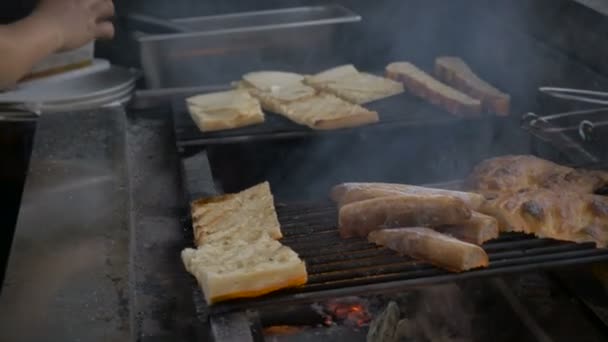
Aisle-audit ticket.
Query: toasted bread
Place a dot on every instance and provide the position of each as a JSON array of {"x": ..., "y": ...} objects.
[
  {"x": 224, "y": 110},
  {"x": 479, "y": 229},
  {"x": 361, "y": 218},
  {"x": 456, "y": 73},
  {"x": 433, "y": 247},
  {"x": 347, "y": 83},
  {"x": 425, "y": 86},
  {"x": 285, "y": 94},
  {"x": 242, "y": 216},
  {"x": 242, "y": 269},
  {"x": 346, "y": 193}
]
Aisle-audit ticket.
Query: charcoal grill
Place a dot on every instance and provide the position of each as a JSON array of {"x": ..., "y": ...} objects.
[{"x": 353, "y": 267}]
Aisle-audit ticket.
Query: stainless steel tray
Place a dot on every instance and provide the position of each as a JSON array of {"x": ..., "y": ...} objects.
[{"x": 219, "y": 49}]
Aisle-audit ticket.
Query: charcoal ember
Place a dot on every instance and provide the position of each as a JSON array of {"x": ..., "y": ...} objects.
[{"x": 383, "y": 327}]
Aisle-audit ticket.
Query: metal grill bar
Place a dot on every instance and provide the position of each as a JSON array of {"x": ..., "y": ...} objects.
[{"x": 344, "y": 267}]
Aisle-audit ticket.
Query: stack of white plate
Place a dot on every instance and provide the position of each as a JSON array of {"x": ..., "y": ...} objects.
[{"x": 98, "y": 85}]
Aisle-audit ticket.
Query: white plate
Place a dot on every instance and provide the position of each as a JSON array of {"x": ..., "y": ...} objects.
[
  {"x": 90, "y": 86},
  {"x": 117, "y": 98},
  {"x": 97, "y": 66}
]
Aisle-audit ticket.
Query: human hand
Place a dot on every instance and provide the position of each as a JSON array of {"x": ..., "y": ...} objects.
[{"x": 76, "y": 22}]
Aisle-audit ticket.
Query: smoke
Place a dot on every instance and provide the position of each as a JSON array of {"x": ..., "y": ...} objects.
[
  {"x": 499, "y": 40},
  {"x": 442, "y": 314}
]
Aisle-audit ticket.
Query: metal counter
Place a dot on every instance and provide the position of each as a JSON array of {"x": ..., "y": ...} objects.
[{"x": 73, "y": 272}]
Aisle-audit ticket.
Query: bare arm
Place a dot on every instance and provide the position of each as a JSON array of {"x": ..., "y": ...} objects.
[{"x": 56, "y": 25}]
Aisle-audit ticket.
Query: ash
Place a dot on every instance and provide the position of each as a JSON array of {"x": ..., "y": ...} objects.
[{"x": 468, "y": 311}]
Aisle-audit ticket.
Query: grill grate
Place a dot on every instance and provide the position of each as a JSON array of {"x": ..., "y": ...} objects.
[
  {"x": 344, "y": 267},
  {"x": 399, "y": 110}
]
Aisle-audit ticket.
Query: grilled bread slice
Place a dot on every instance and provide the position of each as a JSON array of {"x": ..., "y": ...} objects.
[
  {"x": 326, "y": 112},
  {"x": 425, "y": 86},
  {"x": 346, "y": 193},
  {"x": 243, "y": 216},
  {"x": 284, "y": 93},
  {"x": 224, "y": 110},
  {"x": 456, "y": 73},
  {"x": 361, "y": 218},
  {"x": 433, "y": 247},
  {"x": 347, "y": 83},
  {"x": 479, "y": 229},
  {"x": 241, "y": 268}
]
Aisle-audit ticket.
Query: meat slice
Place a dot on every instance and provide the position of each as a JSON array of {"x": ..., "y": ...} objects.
[
  {"x": 520, "y": 172},
  {"x": 360, "y": 218},
  {"x": 425, "y": 86},
  {"x": 456, "y": 73},
  {"x": 346, "y": 193},
  {"x": 479, "y": 229},
  {"x": 562, "y": 215},
  {"x": 428, "y": 245}
]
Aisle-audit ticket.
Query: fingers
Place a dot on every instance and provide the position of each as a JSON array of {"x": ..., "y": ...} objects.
[
  {"x": 103, "y": 9},
  {"x": 104, "y": 30}
]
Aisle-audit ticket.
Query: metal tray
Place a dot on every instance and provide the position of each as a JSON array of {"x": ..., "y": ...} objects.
[{"x": 222, "y": 48}]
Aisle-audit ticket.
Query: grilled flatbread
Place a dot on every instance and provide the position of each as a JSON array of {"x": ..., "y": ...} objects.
[
  {"x": 561, "y": 215},
  {"x": 514, "y": 173}
]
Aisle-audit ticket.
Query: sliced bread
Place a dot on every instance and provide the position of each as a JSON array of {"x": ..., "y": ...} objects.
[
  {"x": 224, "y": 110},
  {"x": 243, "y": 216},
  {"x": 241, "y": 269},
  {"x": 347, "y": 83}
]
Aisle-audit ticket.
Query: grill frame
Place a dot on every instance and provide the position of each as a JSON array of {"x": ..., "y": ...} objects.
[
  {"x": 401, "y": 110},
  {"x": 513, "y": 252}
]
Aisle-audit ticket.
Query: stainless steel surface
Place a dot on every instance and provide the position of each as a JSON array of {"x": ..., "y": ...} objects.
[
  {"x": 222, "y": 48},
  {"x": 74, "y": 274},
  {"x": 270, "y": 19},
  {"x": 162, "y": 307},
  {"x": 150, "y": 24},
  {"x": 15, "y": 115},
  {"x": 67, "y": 277},
  {"x": 149, "y": 98}
]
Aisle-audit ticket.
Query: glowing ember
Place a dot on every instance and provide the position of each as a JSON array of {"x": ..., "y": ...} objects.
[
  {"x": 350, "y": 312},
  {"x": 281, "y": 330}
]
